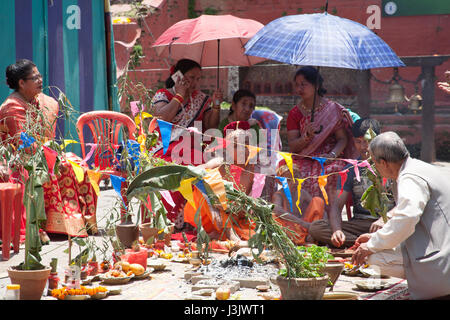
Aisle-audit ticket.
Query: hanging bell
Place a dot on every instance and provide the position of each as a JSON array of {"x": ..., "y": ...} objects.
[
  {"x": 396, "y": 93},
  {"x": 415, "y": 102}
]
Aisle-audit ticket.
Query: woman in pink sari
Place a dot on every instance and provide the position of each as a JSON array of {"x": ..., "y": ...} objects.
[
  {"x": 68, "y": 203},
  {"x": 305, "y": 138},
  {"x": 182, "y": 104}
]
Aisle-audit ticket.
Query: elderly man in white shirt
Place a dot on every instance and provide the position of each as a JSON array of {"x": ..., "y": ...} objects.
[{"x": 415, "y": 242}]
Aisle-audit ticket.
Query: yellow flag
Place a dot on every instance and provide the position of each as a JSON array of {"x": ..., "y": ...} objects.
[
  {"x": 79, "y": 173},
  {"x": 214, "y": 180},
  {"x": 253, "y": 151},
  {"x": 66, "y": 142},
  {"x": 322, "y": 180},
  {"x": 288, "y": 158},
  {"x": 299, "y": 192},
  {"x": 142, "y": 116},
  {"x": 186, "y": 190},
  {"x": 94, "y": 178}
]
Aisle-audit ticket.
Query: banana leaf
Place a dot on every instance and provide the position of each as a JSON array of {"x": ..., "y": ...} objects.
[
  {"x": 161, "y": 178},
  {"x": 34, "y": 206}
]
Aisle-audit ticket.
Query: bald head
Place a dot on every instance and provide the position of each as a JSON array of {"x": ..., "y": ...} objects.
[{"x": 389, "y": 147}]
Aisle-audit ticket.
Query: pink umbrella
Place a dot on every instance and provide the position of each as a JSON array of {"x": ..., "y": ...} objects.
[{"x": 211, "y": 40}]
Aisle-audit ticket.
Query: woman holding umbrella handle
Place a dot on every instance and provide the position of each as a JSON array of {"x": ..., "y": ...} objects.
[{"x": 305, "y": 141}]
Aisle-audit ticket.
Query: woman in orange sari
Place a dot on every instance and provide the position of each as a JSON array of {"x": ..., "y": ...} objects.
[{"x": 68, "y": 204}]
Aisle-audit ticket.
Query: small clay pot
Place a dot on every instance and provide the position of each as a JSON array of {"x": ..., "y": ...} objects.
[{"x": 127, "y": 234}]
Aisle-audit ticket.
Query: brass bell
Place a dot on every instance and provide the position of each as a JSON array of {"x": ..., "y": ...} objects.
[
  {"x": 415, "y": 102},
  {"x": 396, "y": 93}
]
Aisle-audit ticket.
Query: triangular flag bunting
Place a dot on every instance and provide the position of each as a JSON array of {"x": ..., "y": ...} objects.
[
  {"x": 343, "y": 175},
  {"x": 66, "y": 142},
  {"x": 236, "y": 172},
  {"x": 287, "y": 192},
  {"x": 185, "y": 189},
  {"x": 355, "y": 167},
  {"x": 322, "y": 180},
  {"x": 152, "y": 125},
  {"x": 91, "y": 151},
  {"x": 116, "y": 182},
  {"x": 215, "y": 182},
  {"x": 366, "y": 164},
  {"x": 166, "y": 132},
  {"x": 94, "y": 178},
  {"x": 321, "y": 161},
  {"x": 221, "y": 144},
  {"x": 141, "y": 117},
  {"x": 134, "y": 108},
  {"x": 288, "y": 158},
  {"x": 50, "y": 156},
  {"x": 167, "y": 196},
  {"x": 299, "y": 193},
  {"x": 259, "y": 180},
  {"x": 79, "y": 172},
  {"x": 253, "y": 151}
]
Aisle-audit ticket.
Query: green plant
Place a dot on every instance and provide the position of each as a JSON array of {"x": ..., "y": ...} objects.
[
  {"x": 29, "y": 156},
  {"x": 375, "y": 198}
]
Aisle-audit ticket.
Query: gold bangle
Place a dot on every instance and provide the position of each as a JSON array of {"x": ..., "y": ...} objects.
[
  {"x": 174, "y": 98},
  {"x": 180, "y": 97}
]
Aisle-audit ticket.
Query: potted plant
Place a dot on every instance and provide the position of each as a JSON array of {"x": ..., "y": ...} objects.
[{"x": 30, "y": 274}]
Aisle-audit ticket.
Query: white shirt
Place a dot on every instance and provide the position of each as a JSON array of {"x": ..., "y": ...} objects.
[{"x": 412, "y": 196}]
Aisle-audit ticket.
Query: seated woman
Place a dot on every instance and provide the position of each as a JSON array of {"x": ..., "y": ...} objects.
[
  {"x": 329, "y": 136},
  {"x": 68, "y": 204},
  {"x": 182, "y": 104},
  {"x": 241, "y": 109}
]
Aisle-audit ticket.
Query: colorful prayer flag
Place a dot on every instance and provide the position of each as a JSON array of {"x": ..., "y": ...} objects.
[
  {"x": 322, "y": 180},
  {"x": 50, "y": 157},
  {"x": 259, "y": 180},
  {"x": 94, "y": 178},
  {"x": 287, "y": 192},
  {"x": 214, "y": 179},
  {"x": 253, "y": 151},
  {"x": 166, "y": 132},
  {"x": 185, "y": 189},
  {"x": 321, "y": 161},
  {"x": 299, "y": 193},
  {"x": 288, "y": 158},
  {"x": 79, "y": 172}
]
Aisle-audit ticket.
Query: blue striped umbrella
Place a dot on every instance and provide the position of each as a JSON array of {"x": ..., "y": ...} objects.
[{"x": 323, "y": 40}]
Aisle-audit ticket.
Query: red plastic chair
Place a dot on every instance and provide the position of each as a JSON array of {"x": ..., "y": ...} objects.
[
  {"x": 105, "y": 127},
  {"x": 10, "y": 214}
]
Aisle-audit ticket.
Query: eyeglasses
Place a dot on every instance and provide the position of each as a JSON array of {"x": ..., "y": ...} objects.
[{"x": 35, "y": 78}]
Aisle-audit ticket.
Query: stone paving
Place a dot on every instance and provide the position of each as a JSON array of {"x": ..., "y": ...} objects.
[{"x": 171, "y": 283}]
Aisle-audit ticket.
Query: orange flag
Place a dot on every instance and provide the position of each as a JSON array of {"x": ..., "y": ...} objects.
[
  {"x": 253, "y": 151},
  {"x": 94, "y": 178},
  {"x": 214, "y": 180},
  {"x": 322, "y": 180}
]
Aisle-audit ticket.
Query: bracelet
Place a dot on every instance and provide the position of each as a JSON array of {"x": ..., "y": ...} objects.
[
  {"x": 333, "y": 154},
  {"x": 214, "y": 107},
  {"x": 176, "y": 99},
  {"x": 180, "y": 97}
]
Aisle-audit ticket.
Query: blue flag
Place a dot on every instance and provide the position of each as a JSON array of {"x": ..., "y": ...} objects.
[
  {"x": 321, "y": 161},
  {"x": 166, "y": 132},
  {"x": 116, "y": 182},
  {"x": 287, "y": 192}
]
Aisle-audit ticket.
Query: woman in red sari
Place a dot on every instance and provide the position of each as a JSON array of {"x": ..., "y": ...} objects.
[
  {"x": 182, "y": 104},
  {"x": 305, "y": 138},
  {"x": 68, "y": 204}
]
